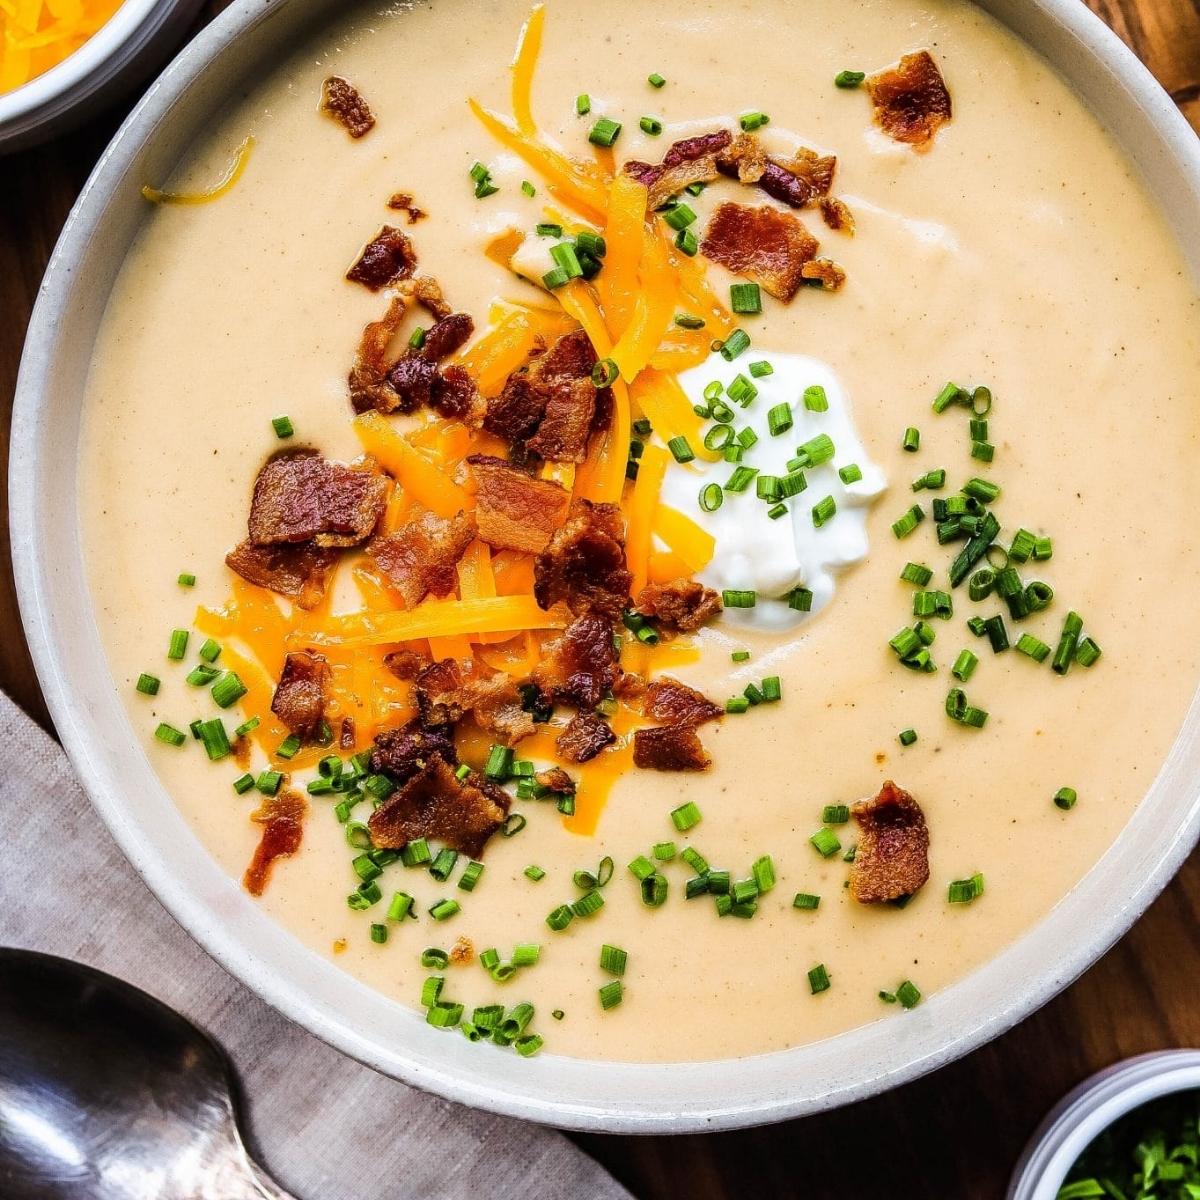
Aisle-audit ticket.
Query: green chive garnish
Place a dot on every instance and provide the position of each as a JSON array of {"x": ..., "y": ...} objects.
[
  {"x": 148, "y": 685},
  {"x": 611, "y": 994},
  {"x": 753, "y": 120},
  {"x": 604, "y": 132},
  {"x": 849, "y": 79},
  {"x": 186, "y": 580},
  {"x": 745, "y": 298},
  {"x": 906, "y": 737},
  {"x": 825, "y": 842},
  {"x": 613, "y": 959},
  {"x": 685, "y": 816},
  {"x": 169, "y": 735},
  {"x": 655, "y": 80},
  {"x": 177, "y": 647},
  {"x": 283, "y": 427},
  {"x": 806, "y": 901},
  {"x": 650, "y": 125},
  {"x": 1065, "y": 798},
  {"x": 818, "y": 979}
]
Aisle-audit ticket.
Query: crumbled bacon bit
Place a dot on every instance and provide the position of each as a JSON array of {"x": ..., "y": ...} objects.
[
  {"x": 892, "y": 860},
  {"x": 282, "y": 819},
  {"x": 419, "y": 557},
  {"x": 743, "y": 159},
  {"x": 763, "y": 244},
  {"x": 551, "y": 401},
  {"x": 669, "y": 748},
  {"x": 584, "y": 562},
  {"x": 402, "y": 752},
  {"x": 300, "y": 572},
  {"x": 299, "y": 700},
  {"x": 495, "y": 705},
  {"x": 579, "y": 667},
  {"x": 463, "y": 951},
  {"x": 692, "y": 160},
  {"x": 825, "y": 272},
  {"x": 347, "y": 737},
  {"x": 556, "y": 780},
  {"x": 837, "y": 215},
  {"x": 435, "y": 804},
  {"x": 300, "y": 496},
  {"x": 403, "y": 202},
  {"x": 673, "y": 703},
  {"x": 405, "y": 664},
  {"x": 455, "y": 395},
  {"x": 389, "y": 256},
  {"x": 437, "y": 692},
  {"x": 343, "y": 101},
  {"x": 446, "y": 336},
  {"x": 911, "y": 101},
  {"x": 412, "y": 381},
  {"x": 516, "y": 511},
  {"x": 681, "y": 604},
  {"x": 583, "y": 737},
  {"x": 797, "y": 181}
]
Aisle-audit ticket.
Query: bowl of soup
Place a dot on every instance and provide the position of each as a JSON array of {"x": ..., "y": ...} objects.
[{"x": 591, "y": 568}]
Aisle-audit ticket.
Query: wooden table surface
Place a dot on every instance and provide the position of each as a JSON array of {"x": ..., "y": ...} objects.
[{"x": 951, "y": 1136}]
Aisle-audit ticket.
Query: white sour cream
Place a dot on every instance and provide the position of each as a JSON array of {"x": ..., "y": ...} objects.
[{"x": 754, "y": 552}]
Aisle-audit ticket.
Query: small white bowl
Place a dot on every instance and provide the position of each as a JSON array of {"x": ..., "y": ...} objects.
[
  {"x": 133, "y": 41},
  {"x": 1098, "y": 1102}
]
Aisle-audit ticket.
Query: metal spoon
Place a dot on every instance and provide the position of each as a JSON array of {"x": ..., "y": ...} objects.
[{"x": 107, "y": 1094}]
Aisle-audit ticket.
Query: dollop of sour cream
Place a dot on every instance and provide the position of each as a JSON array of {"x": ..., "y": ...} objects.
[{"x": 754, "y": 552}]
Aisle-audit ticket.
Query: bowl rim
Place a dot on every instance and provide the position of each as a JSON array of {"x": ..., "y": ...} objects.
[
  {"x": 94, "y": 58},
  {"x": 590, "y": 1095}
]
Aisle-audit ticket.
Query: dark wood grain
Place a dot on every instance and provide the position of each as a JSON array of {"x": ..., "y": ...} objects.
[{"x": 951, "y": 1136}]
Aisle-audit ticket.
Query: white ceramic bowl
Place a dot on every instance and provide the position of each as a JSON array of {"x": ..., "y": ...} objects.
[
  {"x": 1083, "y": 1114},
  {"x": 134, "y": 40},
  {"x": 61, "y": 629}
]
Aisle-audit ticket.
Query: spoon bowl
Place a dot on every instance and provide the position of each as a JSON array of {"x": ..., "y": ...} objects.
[{"x": 108, "y": 1094}]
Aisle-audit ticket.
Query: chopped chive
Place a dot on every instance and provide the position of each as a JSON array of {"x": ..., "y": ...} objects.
[
  {"x": 1067, "y": 643},
  {"x": 849, "y": 79},
  {"x": 148, "y": 685},
  {"x": 916, "y": 573},
  {"x": 243, "y": 783},
  {"x": 906, "y": 737},
  {"x": 583, "y": 104},
  {"x": 416, "y": 339},
  {"x": 379, "y": 934},
  {"x": 444, "y": 909},
  {"x": 737, "y": 704},
  {"x": 776, "y": 511},
  {"x": 650, "y": 125},
  {"x": 655, "y": 80},
  {"x": 665, "y": 851},
  {"x": 963, "y": 891},
  {"x": 1034, "y": 647},
  {"x": 806, "y": 901},
  {"x": 779, "y": 419},
  {"x": 908, "y": 994},
  {"x": 169, "y": 735},
  {"x": 824, "y": 511},
  {"x": 1065, "y": 798},
  {"x": 738, "y": 342},
  {"x": 528, "y": 189},
  {"x": 772, "y": 689},
  {"x": 177, "y": 647},
  {"x": 604, "y": 132},
  {"x": 964, "y": 665},
  {"x": 741, "y": 479},
  {"x": 744, "y": 298},
  {"x": 816, "y": 450},
  {"x": 1087, "y": 652},
  {"x": 680, "y": 450},
  {"x": 950, "y": 394},
  {"x": 733, "y": 598},
  {"x": 201, "y": 675},
  {"x": 761, "y": 369},
  {"x": 214, "y": 739},
  {"x": 289, "y": 747},
  {"x": 401, "y": 906},
  {"x": 907, "y": 523},
  {"x": 835, "y": 814},
  {"x": 566, "y": 259},
  {"x": 283, "y": 427},
  {"x": 548, "y": 229},
  {"x": 228, "y": 690},
  {"x": 800, "y": 599},
  {"x": 654, "y": 890},
  {"x": 186, "y": 580},
  {"x": 269, "y": 782},
  {"x": 560, "y": 918},
  {"x": 912, "y": 439},
  {"x": 534, "y": 873},
  {"x": 815, "y": 398},
  {"x": 983, "y": 451},
  {"x": 851, "y": 473},
  {"x": 499, "y": 763},
  {"x": 605, "y": 373},
  {"x": 753, "y": 120},
  {"x": 687, "y": 321},
  {"x": 686, "y": 816},
  {"x": 611, "y": 994},
  {"x": 613, "y": 959},
  {"x": 687, "y": 243},
  {"x": 825, "y": 842},
  {"x": 555, "y": 279},
  {"x": 472, "y": 872},
  {"x": 818, "y": 979},
  {"x": 482, "y": 178}
]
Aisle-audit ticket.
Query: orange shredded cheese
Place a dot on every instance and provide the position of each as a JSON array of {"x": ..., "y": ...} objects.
[
  {"x": 36, "y": 35},
  {"x": 424, "y": 479},
  {"x": 241, "y": 156}
]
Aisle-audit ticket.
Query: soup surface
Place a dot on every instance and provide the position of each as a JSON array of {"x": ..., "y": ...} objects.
[{"x": 1017, "y": 250}]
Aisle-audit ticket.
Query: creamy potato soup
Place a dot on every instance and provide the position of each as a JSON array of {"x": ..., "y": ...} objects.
[{"x": 708, "y": 522}]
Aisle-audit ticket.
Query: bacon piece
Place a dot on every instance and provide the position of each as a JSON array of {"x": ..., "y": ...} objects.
[
  {"x": 583, "y": 737},
  {"x": 554, "y": 396},
  {"x": 402, "y": 752},
  {"x": 419, "y": 558},
  {"x": 437, "y": 692},
  {"x": 282, "y": 819},
  {"x": 580, "y": 667},
  {"x": 463, "y": 951},
  {"x": 669, "y": 748},
  {"x": 516, "y": 511},
  {"x": 389, "y": 256},
  {"x": 763, "y": 244},
  {"x": 435, "y": 804},
  {"x": 343, "y": 101},
  {"x": 405, "y": 664},
  {"x": 495, "y": 704},
  {"x": 299, "y": 572},
  {"x": 892, "y": 860},
  {"x": 403, "y": 202},
  {"x": 347, "y": 737},
  {"x": 673, "y": 703},
  {"x": 456, "y": 396},
  {"x": 743, "y": 159},
  {"x": 692, "y": 160},
  {"x": 911, "y": 101},
  {"x": 681, "y": 604},
  {"x": 299, "y": 700},
  {"x": 300, "y": 496},
  {"x": 837, "y": 215},
  {"x": 825, "y": 272},
  {"x": 556, "y": 780},
  {"x": 797, "y": 181},
  {"x": 449, "y": 334},
  {"x": 584, "y": 562}
]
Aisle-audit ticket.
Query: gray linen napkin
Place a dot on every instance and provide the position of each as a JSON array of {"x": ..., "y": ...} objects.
[{"x": 327, "y": 1127}]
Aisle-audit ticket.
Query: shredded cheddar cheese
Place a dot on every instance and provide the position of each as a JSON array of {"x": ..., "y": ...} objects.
[
  {"x": 241, "y": 157},
  {"x": 36, "y": 35}
]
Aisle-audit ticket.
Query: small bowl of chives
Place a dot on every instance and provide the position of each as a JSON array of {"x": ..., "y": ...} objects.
[{"x": 1139, "y": 1115}]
